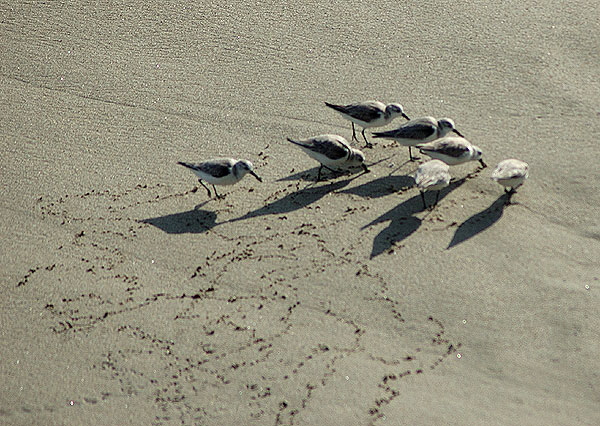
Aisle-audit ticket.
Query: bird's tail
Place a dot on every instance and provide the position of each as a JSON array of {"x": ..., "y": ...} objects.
[
  {"x": 380, "y": 134},
  {"x": 335, "y": 107},
  {"x": 294, "y": 142},
  {"x": 188, "y": 165}
]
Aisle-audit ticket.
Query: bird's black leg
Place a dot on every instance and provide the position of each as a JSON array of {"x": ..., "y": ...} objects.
[
  {"x": 423, "y": 197},
  {"x": 510, "y": 193},
  {"x": 220, "y": 197},
  {"x": 368, "y": 144},
  {"x": 328, "y": 168},
  {"x": 437, "y": 197},
  {"x": 205, "y": 187},
  {"x": 354, "y": 138},
  {"x": 411, "y": 156}
]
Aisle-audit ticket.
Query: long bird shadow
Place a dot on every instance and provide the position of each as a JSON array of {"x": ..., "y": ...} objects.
[
  {"x": 295, "y": 200},
  {"x": 381, "y": 187},
  {"x": 305, "y": 175},
  {"x": 481, "y": 221},
  {"x": 310, "y": 175},
  {"x": 403, "y": 222},
  {"x": 194, "y": 221}
]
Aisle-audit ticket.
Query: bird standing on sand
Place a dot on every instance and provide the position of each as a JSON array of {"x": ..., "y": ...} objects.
[
  {"x": 452, "y": 150},
  {"x": 223, "y": 171},
  {"x": 418, "y": 131},
  {"x": 511, "y": 174},
  {"x": 368, "y": 114},
  {"x": 432, "y": 176},
  {"x": 331, "y": 151}
]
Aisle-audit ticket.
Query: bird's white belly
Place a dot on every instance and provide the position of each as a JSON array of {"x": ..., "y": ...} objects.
[
  {"x": 229, "y": 179},
  {"x": 324, "y": 159},
  {"x": 511, "y": 182},
  {"x": 451, "y": 161}
]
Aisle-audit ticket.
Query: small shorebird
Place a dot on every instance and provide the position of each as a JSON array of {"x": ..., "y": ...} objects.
[
  {"x": 511, "y": 174},
  {"x": 368, "y": 114},
  {"x": 418, "y": 131},
  {"x": 432, "y": 176},
  {"x": 331, "y": 151},
  {"x": 223, "y": 171},
  {"x": 452, "y": 150}
]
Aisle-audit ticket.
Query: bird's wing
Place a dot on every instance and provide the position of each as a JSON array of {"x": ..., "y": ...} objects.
[
  {"x": 509, "y": 172},
  {"x": 347, "y": 147},
  {"x": 364, "y": 112},
  {"x": 332, "y": 148},
  {"x": 446, "y": 148},
  {"x": 425, "y": 181},
  {"x": 216, "y": 168},
  {"x": 409, "y": 131}
]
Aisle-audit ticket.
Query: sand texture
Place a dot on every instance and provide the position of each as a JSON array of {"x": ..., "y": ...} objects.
[{"x": 129, "y": 297}]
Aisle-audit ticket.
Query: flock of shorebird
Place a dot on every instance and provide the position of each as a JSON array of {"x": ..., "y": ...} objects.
[{"x": 333, "y": 152}]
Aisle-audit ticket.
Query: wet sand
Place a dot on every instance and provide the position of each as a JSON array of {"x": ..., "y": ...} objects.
[{"x": 129, "y": 297}]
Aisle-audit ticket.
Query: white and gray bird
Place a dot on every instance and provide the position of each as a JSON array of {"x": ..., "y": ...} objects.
[
  {"x": 452, "y": 150},
  {"x": 221, "y": 171},
  {"x": 511, "y": 174},
  {"x": 419, "y": 131},
  {"x": 432, "y": 176},
  {"x": 368, "y": 114},
  {"x": 331, "y": 151}
]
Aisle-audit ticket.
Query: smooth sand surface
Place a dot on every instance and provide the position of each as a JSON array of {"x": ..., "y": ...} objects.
[{"x": 128, "y": 297}]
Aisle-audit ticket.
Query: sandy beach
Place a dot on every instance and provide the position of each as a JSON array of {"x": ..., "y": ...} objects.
[{"x": 130, "y": 297}]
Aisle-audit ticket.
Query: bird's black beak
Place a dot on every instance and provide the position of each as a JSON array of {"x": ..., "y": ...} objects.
[
  {"x": 458, "y": 133},
  {"x": 258, "y": 178},
  {"x": 405, "y": 116},
  {"x": 483, "y": 165}
]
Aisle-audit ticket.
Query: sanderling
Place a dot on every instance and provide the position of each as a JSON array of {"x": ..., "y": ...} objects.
[
  {"x": 511, "y": 174},
  {"x": 331, "y": 151},
  {"x": 368, "y": 114},
  {"x": 452, "y": 150},
  {"x": 432, "y": 176},
  {"x": 223, "y": 171},
  {"x": 418, "y": 131}
]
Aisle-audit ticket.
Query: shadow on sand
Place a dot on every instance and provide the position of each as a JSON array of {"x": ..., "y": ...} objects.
[
  {"x": 194, "y": 221},
  {"x": 481, "y": 221},
  {"x": 382, "y": 186},
  {"x": 295, "y": 200},
  {"x": 403, "y": 223},
  {"x": 310, "y": 175}
]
